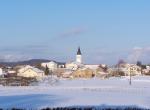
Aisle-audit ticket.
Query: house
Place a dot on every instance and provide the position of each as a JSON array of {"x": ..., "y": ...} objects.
[
  {"x": 71, "y": 66},
  {"x": 128, "y": 69},
  {"x": 146, "y": 70},
  {"x": 61, "y": 65},
  {"x": 102, "y": 71},
  {"x": 31, "y": 72},
  {"x": 83, "y": 73},
  {"x": 51, "y": 65},
  {"x": 10, "y": 72},
  {"x": 1, "y": 72},
  {"x": 23, "y": 68}
]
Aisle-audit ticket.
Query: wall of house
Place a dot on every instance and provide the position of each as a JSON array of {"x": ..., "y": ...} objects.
[
  {"x": 71, "y": 66},
  {"x": 51, "y": 65},
  {"x": 87, "y": 73},
  {"x": 1, "y": 72},
  {"x": 30, "y": 73},
  {"x": 133, "y": 69}
]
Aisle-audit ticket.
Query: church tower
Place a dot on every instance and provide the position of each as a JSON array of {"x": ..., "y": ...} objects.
[{"x": 79, "y": 56}]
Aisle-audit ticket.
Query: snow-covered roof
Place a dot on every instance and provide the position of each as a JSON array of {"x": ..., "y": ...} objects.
[
  {"x": 22, "y": 70},
  {"x": 75, "y": 63},
  {"x": 92, "y": 66},
  {"x": 37, "y": 70}
]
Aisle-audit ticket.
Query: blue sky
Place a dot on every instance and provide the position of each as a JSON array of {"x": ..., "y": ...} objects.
[{"x": 106, "y": 30}]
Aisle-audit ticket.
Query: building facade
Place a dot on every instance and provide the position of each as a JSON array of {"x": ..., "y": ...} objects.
[
  {"x": 51, "y": 65},
  {"x": 1, "y": 72},
  {"x": 32, "y": 73}
]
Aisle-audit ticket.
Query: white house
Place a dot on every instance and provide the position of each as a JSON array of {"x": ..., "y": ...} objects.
[
  {"x": 11, "y": 71},
  {"x": 51, "y": 65},
  {"x": 1, "y": 71},
  {"x": 24, "y": 68},
  {"x": 130, "y": 68},
  {"x": 31, "y": 72},
  {"x": 72, "y": 66},
  {"x": 146, "y": 70}
]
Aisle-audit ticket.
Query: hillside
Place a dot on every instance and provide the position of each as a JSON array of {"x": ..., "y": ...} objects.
[{"x": 28, "y": 62}]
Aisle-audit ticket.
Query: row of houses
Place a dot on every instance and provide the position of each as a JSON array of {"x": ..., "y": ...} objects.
[
  {"x": 68, "y": 68},
  {"x": 22, "y": 71},
  {"x": 74, "y": 65},
  {"x": 74, "y": 69}
]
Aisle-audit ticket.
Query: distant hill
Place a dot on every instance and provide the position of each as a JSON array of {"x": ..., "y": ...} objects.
[{"x": 28, "y": 62}]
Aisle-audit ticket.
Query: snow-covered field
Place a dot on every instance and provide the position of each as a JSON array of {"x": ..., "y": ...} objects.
[{"x": 79, "y": 92}]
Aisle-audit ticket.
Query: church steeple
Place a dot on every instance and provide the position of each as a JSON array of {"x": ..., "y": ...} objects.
[
  {"x": 79, "y": 56},
  {"x": 79, "y": 51}
]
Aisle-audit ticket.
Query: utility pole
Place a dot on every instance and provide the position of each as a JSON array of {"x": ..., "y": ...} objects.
[{"x": 130, "y": 75}]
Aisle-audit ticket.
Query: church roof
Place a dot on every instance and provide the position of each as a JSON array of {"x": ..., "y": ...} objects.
[{"x": 79, "y": 51}]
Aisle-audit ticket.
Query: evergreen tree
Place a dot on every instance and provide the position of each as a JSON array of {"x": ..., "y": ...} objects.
[
  {"x": 46, "y": 70},
  {"x": 139, "y": 63}
]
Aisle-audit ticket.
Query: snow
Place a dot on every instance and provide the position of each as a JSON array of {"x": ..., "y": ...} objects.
[{"x": 79, "y": 92}]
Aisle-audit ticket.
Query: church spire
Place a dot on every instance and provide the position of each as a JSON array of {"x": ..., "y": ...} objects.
[
  {"x": 79, "y": 51},
  {"x": 79, "y": 56}
]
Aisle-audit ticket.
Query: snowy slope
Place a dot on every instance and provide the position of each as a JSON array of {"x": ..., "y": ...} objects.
[{"x": 78, "y": 92}]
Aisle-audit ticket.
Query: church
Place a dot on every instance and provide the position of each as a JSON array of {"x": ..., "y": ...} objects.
[{"x": 75, "y": 64}]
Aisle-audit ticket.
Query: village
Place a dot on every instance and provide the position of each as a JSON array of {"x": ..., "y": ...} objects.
[
  {"x": 24, "y": 75},
  {"x": 74, "y": 55}
]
